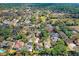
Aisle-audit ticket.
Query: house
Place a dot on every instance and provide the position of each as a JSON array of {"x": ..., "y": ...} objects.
[
  {"x": 6, "y": 14},
  {"x": 19, "y": 44},
  {"x": 37, "y": 40},
  {"x": 73, "y": 43},
  {"x": 5, "y": 10},
  {"x": 12, "y": 44},
  {"x": 14, "y": 31},
  {"x": 6, "y": 22},
  {"x": 50, "y": 28},
  {"x": 47, "y": 45},
  {"x": 24, "y": 30},
  {"x": 54, "y": 37},
  {"x": 27, "y": 22},
  {"x": 38, "y": 34},
  {"x": 4, "y": 44},
  {"x": 74, "y": 32},
  {"x": 11, "y": 51},
  {"x": 71, "y": 46},
  {"x": 76, "y": 28},
  {"x": 29, "y": 46},
  {"x": 14, "y": 22},
  {"x": 39, "y": 46}
]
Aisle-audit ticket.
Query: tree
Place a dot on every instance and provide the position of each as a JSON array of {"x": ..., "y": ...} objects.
[
  {"x": 73, "y": 53},
  {"x": 59, "y": 48},
  {"x": 45, "y": 52},
  {"x": 24, "y": 51},
  {"x": 44, "y": 32},
  {"x": 5, "y": 32},
  {"x": 21, "y": 36},
  {"x": 42, "y": 18},
  {"x": 32, "y": 19},
  {"x": 18, "y": 37}
]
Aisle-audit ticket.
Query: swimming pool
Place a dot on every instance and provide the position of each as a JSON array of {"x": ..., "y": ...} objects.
[{"x": 2, "y": 51}]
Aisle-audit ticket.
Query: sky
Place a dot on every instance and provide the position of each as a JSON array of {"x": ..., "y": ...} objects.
[{"x": 39, "y": 1}]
